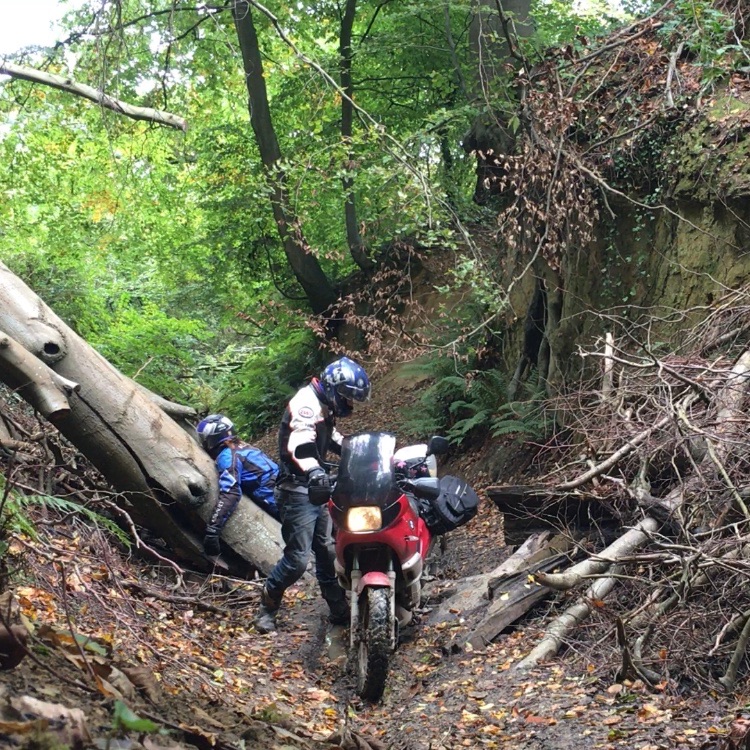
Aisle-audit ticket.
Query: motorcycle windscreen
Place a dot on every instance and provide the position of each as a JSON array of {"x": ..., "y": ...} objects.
[{"x": 365, "y": 471}]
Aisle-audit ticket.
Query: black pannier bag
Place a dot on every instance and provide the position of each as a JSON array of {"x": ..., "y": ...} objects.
[{"x": 456, "y": 505}]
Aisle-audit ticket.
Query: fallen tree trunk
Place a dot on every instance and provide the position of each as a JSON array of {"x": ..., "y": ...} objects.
[
  {"x": 42, "y": 387},
  {"x": 165, "y": 481},
  {"x": 561, "y": 626}
]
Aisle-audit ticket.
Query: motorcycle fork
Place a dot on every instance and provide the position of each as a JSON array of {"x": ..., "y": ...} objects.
[{"x": 356, "y": 577}]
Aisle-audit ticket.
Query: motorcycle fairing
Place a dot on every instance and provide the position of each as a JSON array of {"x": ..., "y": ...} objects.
[{"x": 406, "y": 537}]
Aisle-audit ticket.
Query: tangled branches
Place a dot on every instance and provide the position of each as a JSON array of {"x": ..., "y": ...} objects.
[
  {"x": 666, "y": 452},
  {"x": 553, "y": 207},
  {"x": 397, "y": 314},
  {"x": 597, "y": 123}
]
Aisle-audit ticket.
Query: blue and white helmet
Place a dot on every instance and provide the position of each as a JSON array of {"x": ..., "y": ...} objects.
[
  {"x": 344, "y": 381},
  {"x": 214, "y": 430}
]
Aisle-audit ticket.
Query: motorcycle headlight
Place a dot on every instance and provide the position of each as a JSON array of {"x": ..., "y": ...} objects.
[{"x": 366, "y": 518}]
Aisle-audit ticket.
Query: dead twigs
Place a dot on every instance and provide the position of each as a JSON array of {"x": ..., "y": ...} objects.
[{"x": 679, "y": 431}]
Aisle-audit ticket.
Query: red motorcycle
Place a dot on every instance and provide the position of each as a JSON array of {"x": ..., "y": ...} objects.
[{"x": 382, "y": 542}]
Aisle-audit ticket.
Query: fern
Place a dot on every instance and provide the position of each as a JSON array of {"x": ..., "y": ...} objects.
[
  {"x": 459, "y": 406},
  {"x": 510, "y": 427},
  {"x": 430, "y": 414},
  {"x": 523, "y": 418},
  {"x": 15, "y": 519},
  {"x": 464, "y": 426},
  {"x": 63, "y": 505},
  {"x": 456, "y": 405}
]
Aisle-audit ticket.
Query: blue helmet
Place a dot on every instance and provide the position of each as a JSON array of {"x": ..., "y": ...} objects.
[
  {"x": 214, "y": 430},
  {"x": 344, "y": 381}
]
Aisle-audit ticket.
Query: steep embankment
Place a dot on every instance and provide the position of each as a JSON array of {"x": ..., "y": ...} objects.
[{"x": 627, "y": 192}]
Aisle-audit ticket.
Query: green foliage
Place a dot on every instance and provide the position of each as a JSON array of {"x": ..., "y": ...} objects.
[
  {"x": 12, "y": 517},
  {"x": 254, "y": 395},
  {"x": 15, "y": 519},
  {"x": 708, "y": 33},
  {"x": 561, "y": 22},
  {"x": 124, "y": 719},
  {"x": 481, "y": 393},
  {"x": 462, "y": 405},
  {"x": 430, "y": 413},
  {"x": 63, "y": 505},
  {"x": 524, "y": 419},
  {"x": 149, "y": 345},
  {"x": 156, "y": 246}
]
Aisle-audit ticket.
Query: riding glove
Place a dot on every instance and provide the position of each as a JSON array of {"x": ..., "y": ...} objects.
[
  {"x": 211, "y": 544},
  {"x": 318, "y": 486}
]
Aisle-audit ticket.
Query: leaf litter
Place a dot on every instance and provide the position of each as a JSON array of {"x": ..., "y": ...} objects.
[{"x": 116, "y": 660}]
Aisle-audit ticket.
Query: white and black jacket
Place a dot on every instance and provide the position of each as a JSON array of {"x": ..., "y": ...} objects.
[{"x": 307, "y": 420}]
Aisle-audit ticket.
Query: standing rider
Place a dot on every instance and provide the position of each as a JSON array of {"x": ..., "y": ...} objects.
[
  {"x": 308, "y": 431},
  {"x": 242, "y": 468}
]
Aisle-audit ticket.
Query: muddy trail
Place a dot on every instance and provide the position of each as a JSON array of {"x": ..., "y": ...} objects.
[{"x": 154, "y": 658}]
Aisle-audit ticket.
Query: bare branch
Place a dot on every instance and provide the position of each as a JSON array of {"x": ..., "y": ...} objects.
[{"x": 67, "y": 84}]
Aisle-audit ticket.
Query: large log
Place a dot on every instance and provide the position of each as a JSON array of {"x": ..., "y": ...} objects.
[
  {"x": 475, "y": 591},
  {"x": 165, "y": 481},
  {"x": 41, "y": 386}
]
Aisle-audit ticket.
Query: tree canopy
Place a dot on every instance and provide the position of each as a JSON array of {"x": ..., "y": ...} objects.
[{"x": 192, "y": 259}]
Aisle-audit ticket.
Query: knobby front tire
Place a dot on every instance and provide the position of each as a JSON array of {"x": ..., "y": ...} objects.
[{"x": 375, "y": 631}]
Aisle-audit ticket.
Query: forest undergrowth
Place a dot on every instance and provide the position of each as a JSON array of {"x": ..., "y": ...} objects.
[{"x": 154, "y": 656}]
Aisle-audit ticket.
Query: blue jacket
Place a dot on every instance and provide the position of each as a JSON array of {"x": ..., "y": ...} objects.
[{"x": 253, "y": 474}]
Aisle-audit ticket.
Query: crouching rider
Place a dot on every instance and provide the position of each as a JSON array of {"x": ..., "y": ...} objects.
[
  {"x": 243, "y": 469},
  {"x": 308, "y": 431}
]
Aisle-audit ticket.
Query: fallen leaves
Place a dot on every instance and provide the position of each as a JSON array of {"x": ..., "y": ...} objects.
[
  {"x": 198, "y": 665},
  {"x": 25, "y": 715}
]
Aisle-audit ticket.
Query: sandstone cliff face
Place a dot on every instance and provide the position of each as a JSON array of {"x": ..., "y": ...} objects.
[
  {"x": 668, "y": 255},
  {"x": 704, "y": 245}
]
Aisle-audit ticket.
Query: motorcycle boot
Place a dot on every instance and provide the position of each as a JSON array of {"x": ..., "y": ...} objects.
[
  {"x": 337, "y": 604},
  {"x": 265, "y": 619}
]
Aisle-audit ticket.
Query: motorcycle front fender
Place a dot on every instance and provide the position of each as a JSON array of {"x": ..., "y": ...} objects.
[{"x": 376, "y": 579}]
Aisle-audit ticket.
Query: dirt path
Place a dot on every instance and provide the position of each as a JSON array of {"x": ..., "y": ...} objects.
[
  {"x": 440, "y": 696},
  {"x": 218, "y": 679}
]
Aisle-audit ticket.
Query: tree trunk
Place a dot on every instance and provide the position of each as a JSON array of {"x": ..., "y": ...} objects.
[
  {"x": 167, "y": 482},
  {"x": 353, "y": 237},
  {"x": 303, "y": 262},
  {"x": 496, "y": 26},
  {"x": 493, "y": 39}
]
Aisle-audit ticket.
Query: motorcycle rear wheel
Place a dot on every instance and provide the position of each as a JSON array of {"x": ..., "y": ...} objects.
[{"x": 375, "y": 631}]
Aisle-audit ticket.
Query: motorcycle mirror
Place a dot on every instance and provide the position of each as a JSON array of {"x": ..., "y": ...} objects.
[
  {"x": 426, "y": 487},
  {"x": 438, "y": 446}
]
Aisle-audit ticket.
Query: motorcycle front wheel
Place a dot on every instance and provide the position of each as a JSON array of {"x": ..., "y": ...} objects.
[{"x": 375, "y": 631}]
